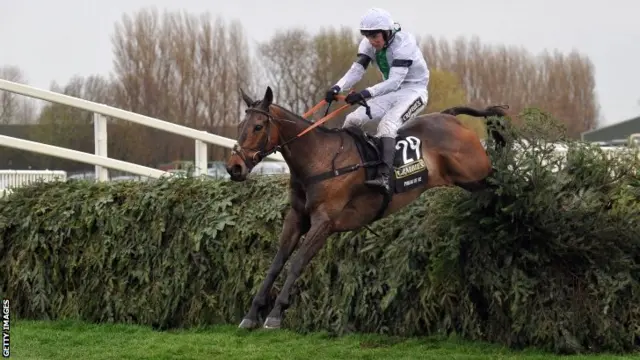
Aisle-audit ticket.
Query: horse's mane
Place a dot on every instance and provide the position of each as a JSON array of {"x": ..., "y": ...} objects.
[{"x": 298, "y": 117}]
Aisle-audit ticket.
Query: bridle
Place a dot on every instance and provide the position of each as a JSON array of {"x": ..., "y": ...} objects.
[{"x": 262, "y": 151}]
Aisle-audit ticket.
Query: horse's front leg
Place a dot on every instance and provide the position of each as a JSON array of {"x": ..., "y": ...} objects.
[
  {"x": 315, "y": 239},
  {"x": 295, "y": 225}
]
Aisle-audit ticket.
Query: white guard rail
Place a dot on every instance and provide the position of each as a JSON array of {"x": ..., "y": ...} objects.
[
  {"x": 17, "y": 178},
  {"x": 80, "y": 156},
  {"x": 10, "y": 179},
  {"x": 100, "y": 159}
]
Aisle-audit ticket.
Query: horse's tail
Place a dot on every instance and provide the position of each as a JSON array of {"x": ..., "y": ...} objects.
[{"x": 496, "y": 110}]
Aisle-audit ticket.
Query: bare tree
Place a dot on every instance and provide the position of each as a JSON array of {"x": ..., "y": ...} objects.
[
  {"x": 14, "y": 108},
  {"x": 300, "y": 67},
  {"x": 289, "y": 58},
  {"x": 70, "y": 127},
  {"x": 225, "y": 66},
  {"x": 182, "y": 68},
  {"x": 562, "y": 84},
  {"x": 242, "y": 75}
]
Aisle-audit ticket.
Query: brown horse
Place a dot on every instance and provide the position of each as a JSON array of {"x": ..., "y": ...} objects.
[{"x": 328, "y": 168}]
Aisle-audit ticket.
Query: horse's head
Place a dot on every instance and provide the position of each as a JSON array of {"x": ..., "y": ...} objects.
[{"x": 258, "y": 136}]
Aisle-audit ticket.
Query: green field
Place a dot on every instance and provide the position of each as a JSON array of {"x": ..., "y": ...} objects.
[{"x": 74, "y": 340}]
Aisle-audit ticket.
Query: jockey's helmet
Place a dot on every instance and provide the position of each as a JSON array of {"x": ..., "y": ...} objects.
[{"x": 377, "y": 20}]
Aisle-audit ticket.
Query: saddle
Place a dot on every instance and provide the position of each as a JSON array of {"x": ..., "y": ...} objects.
[
  {"x": 369, "y": 148},
  {"x": 409, "y": 168}
]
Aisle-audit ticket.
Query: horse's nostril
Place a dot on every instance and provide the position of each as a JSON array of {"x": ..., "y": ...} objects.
[{"x": 234, "y": 170}]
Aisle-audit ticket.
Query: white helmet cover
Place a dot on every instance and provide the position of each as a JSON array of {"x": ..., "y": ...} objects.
[{"x": 376, "y": 19}]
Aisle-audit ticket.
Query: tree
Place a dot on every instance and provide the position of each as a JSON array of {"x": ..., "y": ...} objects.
[
  {"x": 14, "y": 108},
  {"x": 181, "y": 68},
  {"x": 69, "y": 127},
  {"x": 563, "y": 85},
  {"x": 290, "y": 59}
]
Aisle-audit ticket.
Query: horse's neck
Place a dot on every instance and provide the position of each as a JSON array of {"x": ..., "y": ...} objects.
[{"x": 305, "y": 152}]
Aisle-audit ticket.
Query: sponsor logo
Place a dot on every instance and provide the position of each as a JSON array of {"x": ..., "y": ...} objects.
[
  {"x": 410, "y": 169},
  {"x": 412, "y": 109}
]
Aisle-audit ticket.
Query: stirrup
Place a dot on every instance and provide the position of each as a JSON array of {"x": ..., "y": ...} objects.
[{"x": 380, "y": 182}]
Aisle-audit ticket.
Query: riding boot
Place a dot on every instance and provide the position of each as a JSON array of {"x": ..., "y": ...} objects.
[{"x": 384, "y": 170}]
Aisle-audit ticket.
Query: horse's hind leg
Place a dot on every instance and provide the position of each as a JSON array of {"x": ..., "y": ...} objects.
[
  {"x": 470, "y": 172},
  {"x": 316, "y": 238},
  {"x": 295, "y": 225}
]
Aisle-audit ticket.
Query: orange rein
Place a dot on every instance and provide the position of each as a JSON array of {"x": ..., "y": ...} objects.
[{"x": 329, "y": 116}]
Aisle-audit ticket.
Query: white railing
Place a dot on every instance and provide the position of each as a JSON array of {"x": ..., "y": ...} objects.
[
  {"x": 97, "y": 160},
  {"x": 100, "y": 159},
  {"x": 16, "y": 178}
]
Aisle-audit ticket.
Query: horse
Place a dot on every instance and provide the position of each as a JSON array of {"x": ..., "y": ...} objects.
[{"x": 328, "y": 168}]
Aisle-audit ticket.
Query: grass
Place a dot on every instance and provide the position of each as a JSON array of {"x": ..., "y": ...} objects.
[{"x": 76, "y": 340}]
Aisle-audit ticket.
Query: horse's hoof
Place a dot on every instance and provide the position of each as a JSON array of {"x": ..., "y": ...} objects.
[
  {"x": 248, "y": 324},
  {"x": 272, "y": 323}
]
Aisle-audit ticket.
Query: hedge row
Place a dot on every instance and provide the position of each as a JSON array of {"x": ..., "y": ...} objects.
[{"x": 547, "y": 259}]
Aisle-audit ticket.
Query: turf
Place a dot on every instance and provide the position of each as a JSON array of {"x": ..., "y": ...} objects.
[{"x": 76, "y": 340}]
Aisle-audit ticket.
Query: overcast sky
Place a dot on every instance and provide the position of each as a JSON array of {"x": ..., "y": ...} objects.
[{"x": 55, "y": 39}]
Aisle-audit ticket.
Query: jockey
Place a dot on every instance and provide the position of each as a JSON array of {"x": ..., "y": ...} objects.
[{"x": 399, "y": 97}]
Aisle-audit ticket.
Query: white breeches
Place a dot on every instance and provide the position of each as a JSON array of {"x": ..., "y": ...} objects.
[{"x": 391, "y": 109}]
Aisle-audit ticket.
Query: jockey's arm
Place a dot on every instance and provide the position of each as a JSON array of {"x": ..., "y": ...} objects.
[
  {"x": 397, "y": 73},
  {"x": 404, "y": 56},
  {"x": 359, "y": 66},
  {"x": 355, "y": 72}
]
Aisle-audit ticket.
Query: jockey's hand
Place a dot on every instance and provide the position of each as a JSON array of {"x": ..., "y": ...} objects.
[
  {"x": 356, "y": 97},
  {"x": 331, "y": 93}
]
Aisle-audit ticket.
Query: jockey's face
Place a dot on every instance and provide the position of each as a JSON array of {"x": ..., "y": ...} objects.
[{"x": 376, "y": 40}]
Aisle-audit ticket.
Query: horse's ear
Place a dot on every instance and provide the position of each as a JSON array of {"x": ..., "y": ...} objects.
[
  {"x": 246, "y": 98},
  {"x": 268, "y": 97}
]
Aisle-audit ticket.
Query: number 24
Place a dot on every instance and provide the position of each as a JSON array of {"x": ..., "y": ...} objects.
[{"x": 412, "y": 143}]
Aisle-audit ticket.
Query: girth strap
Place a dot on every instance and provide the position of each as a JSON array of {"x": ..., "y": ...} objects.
[{"x": 338, "y": 172}]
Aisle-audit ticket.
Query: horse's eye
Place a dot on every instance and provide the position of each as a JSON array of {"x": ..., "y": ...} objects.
[{"x": 257, "y": 127}]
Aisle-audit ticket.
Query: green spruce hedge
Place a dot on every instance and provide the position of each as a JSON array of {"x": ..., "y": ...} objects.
[{"x": 548, "y": 257}]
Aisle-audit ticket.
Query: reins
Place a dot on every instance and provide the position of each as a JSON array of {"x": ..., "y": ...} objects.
[
  {"x": 260, "y": 154},
  {"x": 326, "y": 116}
]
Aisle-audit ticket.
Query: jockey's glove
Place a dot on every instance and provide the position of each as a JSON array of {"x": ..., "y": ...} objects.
[
  {"x": 331, "y": 93},
  {"x": 356, "y": 97}
]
